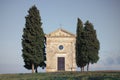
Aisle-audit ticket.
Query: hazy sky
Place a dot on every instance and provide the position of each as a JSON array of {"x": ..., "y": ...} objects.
[{"x": 104, "y": 14}]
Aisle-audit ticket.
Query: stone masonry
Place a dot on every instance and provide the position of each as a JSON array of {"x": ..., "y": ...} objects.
[{"x": 60, "y": 51}]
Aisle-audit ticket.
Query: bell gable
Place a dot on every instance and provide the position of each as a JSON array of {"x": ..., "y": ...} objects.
[{"x": 60, "y": 33}]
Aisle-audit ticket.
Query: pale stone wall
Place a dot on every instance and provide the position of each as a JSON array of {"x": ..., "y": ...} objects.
[{"x": 53, "y": 41}]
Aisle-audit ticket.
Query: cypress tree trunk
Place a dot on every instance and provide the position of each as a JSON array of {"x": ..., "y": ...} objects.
[
  {"x": 88, "y": 67},
  {"x": 32, "y": 68},
  {"x": 81, "y": 69},
  {"x": 36, "y": 70}
]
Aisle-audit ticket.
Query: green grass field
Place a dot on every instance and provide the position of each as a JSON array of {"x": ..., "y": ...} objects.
[{"x": 94, "y": 75}]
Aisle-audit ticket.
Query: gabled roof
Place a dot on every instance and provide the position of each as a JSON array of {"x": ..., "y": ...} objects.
[{"x": 60, "y": 33}]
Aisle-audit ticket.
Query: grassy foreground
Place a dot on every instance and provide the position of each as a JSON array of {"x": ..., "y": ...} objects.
[{"x": 94, "y": 75}]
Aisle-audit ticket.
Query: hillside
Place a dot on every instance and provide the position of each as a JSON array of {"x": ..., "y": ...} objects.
[{"x": 94, "y": 75}]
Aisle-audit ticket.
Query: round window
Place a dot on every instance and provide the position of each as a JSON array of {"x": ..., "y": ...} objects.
[{"x": 61, "y": 47}]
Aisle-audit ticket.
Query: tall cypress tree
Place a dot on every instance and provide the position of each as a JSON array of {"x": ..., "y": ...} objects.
[
  {"x": 92, "y": 44},
  {"x": 80, "y": 54},
  {"x": 33, "y": 40}
]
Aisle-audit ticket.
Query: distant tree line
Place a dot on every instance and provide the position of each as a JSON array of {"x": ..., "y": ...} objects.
[{"x": 33, "y": 43}]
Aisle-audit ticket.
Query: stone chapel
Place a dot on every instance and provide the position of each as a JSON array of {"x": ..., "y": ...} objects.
[{"x": 60, "y": 51}]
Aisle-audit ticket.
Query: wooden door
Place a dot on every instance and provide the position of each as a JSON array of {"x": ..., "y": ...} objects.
[{"x": 61, "y": 63}]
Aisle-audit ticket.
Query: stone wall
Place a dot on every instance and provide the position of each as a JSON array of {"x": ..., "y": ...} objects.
[{"x": 53, "y": 41}]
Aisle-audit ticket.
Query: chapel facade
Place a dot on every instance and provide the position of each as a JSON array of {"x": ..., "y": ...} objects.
[{"x": 60, "y": 51}]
